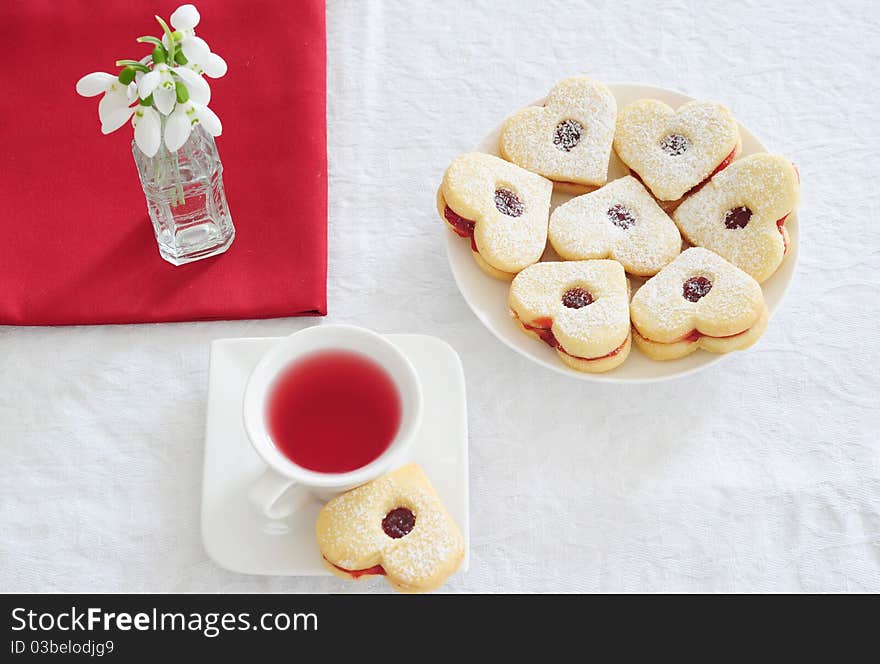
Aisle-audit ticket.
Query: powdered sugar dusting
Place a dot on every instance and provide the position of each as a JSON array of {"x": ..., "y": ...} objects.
[
  {"x": 765, "y": 184},
  {"x": 661, "y": 312},
  {"x": 589, "y": 331},
  {"x": 709, "y": 128},
  {"x": 581, "y": 229},
  {"x": 507, "y": 243},
  {"x": 350, "y": 534},
  {"x": 579, "y": 152}
]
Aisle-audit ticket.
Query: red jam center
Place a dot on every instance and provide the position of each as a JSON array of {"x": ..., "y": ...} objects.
[
  {"x": 696, "y": 288},
  {"x": 399, "y": 522},
  {"x": 737, "y": 217},
  {"x": 567, "y": 135},
  {"x": 675, "y": 144},
  {"x": 621, "y": 216},
  {"x": 575, "y": 298},
  {"x": 508, "y": 203}
]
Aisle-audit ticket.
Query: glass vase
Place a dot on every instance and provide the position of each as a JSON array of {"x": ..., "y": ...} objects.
[{"x": 186, "y": 199}]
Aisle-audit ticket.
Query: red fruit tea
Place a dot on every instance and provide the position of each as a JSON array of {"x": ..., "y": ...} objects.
[{"x": 333, "y": 411}]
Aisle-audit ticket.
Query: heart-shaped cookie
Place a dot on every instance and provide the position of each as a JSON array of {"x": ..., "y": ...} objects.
[
  {"x": 580, "y": 308},
  {"x": 569, "y": 138},
  {"x": 394, "y": 526},
  {"x": 503, "y": 208},
  {"x": 621, "y": 221},
  {"x": 740, "y": 214},
  {"x": 674, "y": 151},
  {"x": 697, "y": 301}
]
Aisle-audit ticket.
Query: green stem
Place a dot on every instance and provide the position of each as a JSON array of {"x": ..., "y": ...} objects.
[
  {"x": 179, "y": 187},
  {"x": 134, "y": 64},
  {"x": 149, "y": 39},
  {"x": 171, "y": 45}
]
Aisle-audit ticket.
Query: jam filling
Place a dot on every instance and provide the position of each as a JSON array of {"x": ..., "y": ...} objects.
[
  {"x": 542, "y": 327},
  {"x": 507, "y": 202},
  {"x": 463, "y": 227},
  {"x": 621, "y": 216},
  {"x": 577, "y": 298},
  {"x": 355, "y": 573},
  {"x": 399, "y": 522},
  {"x": 724, "y": 164},
  {"x": 696, "y": 288},
  {"x": 696, "y": 335},
  {"x": 779, "y": 224},
  {"x": 737, "y": 217},
  {"x": 567, "y": 135},
  {"x": 675, "y": 144}
]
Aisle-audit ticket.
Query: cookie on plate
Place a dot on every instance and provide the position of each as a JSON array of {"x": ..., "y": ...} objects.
[
  {"x": 621, "y": 221},
  {"x": 579, "y": 308},
  {"x": 501, "y": 207},
  {"x": 395, "y": 526},
  {"x": 698, "y": 301},
  {"x": 675, "y": 151},
  {"x": 740, "y": 214},
  {"x": 568, "y": 139}
]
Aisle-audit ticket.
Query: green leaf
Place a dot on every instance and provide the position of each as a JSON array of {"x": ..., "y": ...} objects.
[{"x": 147, "y": 102}]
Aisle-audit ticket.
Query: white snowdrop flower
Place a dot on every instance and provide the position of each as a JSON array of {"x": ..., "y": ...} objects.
[
  {"x": 178, "y": 127},
  {"x": 147, "y": 130},
  {"x": 160, "y": 84},
  {"x": 198, "y": 88},
  {"x": 185, "y": 17},
  {"x": 192, "y": 111},
  {"x": 168, "y": 94},
  {"x": 198, "y": 54},
  {"x": 114, "y": 109},
  {"x": 199, "y": 57},
  {"x": 185, "y": 116}
]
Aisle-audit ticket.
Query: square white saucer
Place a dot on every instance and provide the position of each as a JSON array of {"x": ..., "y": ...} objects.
[{"x": 236, "y": 536}]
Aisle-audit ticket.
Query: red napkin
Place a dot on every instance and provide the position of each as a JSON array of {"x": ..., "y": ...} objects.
[{"x": 76, "y": 244}]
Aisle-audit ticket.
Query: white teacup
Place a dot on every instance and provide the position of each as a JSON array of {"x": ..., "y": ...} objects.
[{"x": 285, "y": 486}]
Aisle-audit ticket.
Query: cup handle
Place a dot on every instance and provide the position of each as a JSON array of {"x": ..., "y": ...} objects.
[{"x": 277, "y": 496}]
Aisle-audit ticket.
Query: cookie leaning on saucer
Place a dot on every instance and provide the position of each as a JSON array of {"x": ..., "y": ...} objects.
[
  {"x": 621, "y": 221},
  {"x": 568, "y": 139},
  {"x": 740, "y": 214},
  {"x": 698, "y": 301},
  {"x": 395, "y": 526},
  {"x": 502, "y": 208},
  {"x": 675, "y": 151},
  {"x": 579, "y": 308}
]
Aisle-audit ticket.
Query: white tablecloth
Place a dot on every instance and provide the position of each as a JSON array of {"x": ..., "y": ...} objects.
[{"x": 759, "y": 474}]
